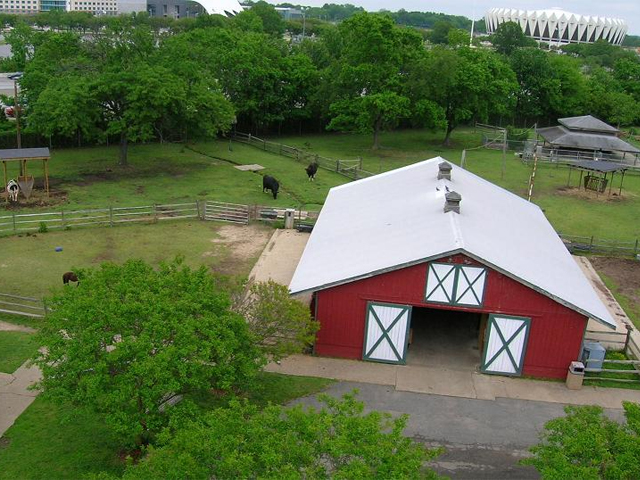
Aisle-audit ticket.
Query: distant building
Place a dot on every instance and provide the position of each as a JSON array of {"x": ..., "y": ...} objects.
[
  {"x": 156, "y": 8},
  {"x": 557, "y": 26},
  {"x": 289, "y": 13}
]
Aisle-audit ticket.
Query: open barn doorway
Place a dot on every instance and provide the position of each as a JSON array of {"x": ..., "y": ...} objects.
[{"x": 445, "y": 338}]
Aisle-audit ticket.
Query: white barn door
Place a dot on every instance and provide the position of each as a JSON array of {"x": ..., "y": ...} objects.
[
  {"x": 505, "y": 344},
  {"x": 386, "y": 333}
]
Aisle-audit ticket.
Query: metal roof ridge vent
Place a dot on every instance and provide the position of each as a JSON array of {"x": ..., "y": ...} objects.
[
  {"x": 444, "y": 171},
  {"x": 452, "y": 202}
]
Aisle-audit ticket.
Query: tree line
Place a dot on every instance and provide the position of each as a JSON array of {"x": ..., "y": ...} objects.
[{"x": 135, "y": 82}]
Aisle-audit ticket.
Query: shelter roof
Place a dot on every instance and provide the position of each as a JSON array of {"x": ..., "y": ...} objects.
[
  {"x": 24, "y": 153},
  {"x": 587, "y": 123},
  {"x": 599, "y": 166},
  {"x": 396, "y": 219},
  {"x": 560, "y": 136}
]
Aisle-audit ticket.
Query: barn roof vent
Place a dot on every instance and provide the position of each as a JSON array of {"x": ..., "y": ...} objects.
[
  {"x": 452, "y": 203},
  {"x": 444, "y": 171}
]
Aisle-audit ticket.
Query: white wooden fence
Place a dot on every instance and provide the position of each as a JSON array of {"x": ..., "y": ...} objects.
[{"x": 24, "y": 306}]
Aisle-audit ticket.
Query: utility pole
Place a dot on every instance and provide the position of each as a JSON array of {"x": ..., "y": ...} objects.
[{"x": 16, "y": 109}]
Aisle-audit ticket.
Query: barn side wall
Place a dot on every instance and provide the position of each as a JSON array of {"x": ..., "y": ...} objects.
[{"x": 554, "y": 340}]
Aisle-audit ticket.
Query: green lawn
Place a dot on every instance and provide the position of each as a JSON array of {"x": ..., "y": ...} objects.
[
  {"x": 50, "y": 442},
  {"x": 39, "y": 267},
  {"x": 15, "y": 349}
]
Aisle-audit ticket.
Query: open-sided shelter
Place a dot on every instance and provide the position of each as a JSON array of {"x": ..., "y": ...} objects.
[
  {"x": 23, "y": 156},
  {"x": 433, "y": 251}
]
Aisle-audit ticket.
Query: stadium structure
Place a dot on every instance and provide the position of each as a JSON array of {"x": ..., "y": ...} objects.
[{"x": 557, "y": 26}]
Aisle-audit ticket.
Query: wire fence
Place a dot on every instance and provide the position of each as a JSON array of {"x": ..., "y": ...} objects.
[
  {"x": 349, "y": 168},
  {"x": 601, "y": 246}
]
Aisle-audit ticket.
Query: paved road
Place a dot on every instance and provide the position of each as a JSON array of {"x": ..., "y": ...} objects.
[{"x": 484, "y": 439}]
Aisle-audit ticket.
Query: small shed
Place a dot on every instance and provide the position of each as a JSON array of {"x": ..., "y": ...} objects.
[
  {"x": 430, "y": 264},
  {"x": 23, "y": 156}
]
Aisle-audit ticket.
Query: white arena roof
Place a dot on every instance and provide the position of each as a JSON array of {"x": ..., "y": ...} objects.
[
  {"x": 557, "y": 25},
  {"x": 396, "y": 219}
]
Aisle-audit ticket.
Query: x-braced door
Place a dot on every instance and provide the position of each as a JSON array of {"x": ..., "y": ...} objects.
[
  {"x": 386, "y": 333},
  {"x": 505, "y": 344},
  {"x": 455, "y": 284}
]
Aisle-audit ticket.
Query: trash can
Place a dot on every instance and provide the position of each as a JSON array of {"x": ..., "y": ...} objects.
[
  {"x": 289, "y": 216},
  {"x": 575, "y": 376}
]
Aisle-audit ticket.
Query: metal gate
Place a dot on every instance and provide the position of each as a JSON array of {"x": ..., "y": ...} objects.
[
  {"x": 226, "y": 212},
  {"x": 505, "y": 345},
  {"x": 387, "y": 333}
]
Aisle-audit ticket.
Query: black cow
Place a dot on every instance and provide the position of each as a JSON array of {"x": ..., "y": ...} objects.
[
  {"x": 311, "y": 170},
  {"x": 69, "y": 277},
  {"x": 270, "y": 183}
]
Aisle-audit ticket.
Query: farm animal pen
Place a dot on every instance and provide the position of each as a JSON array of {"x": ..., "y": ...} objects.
[{"x": 411, "y": 246}]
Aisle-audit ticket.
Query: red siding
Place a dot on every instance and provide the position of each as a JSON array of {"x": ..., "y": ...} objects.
[{"x": 554, "y": 339}]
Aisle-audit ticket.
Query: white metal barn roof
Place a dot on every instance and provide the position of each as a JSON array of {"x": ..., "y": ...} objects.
[{"x": 396, "y": 219}]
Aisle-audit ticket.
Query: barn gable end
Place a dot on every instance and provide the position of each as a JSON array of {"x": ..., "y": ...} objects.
[{"x": 555, "y": 334}]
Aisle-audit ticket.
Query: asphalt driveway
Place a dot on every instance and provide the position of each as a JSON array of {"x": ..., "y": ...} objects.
[{"x": 484, "y": 439}]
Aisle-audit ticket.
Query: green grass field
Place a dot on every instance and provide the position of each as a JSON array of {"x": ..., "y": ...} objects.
[
  {"x": 41, "y": 267},
  {"x": 161, "y": 173},
  {"x": 15, "y": 349},
  {"x": 51, "y": 441}
]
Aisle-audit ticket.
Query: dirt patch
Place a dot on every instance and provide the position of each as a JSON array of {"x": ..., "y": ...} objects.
[
  {"x": 38, "y": 198},
  {"x": 625, "y": 273},
  {"x": 597, "y": 197},
  {"x": 242, "y": 245},
  {"x": 12, "y": 327}
]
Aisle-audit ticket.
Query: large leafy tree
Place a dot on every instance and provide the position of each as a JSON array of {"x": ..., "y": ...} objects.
[
  {"x": 508, "y": 37},
  {"x": 338, "y": 441},
  {"x": 130, "y": 339},
  {"x": 464, "y": 84},
  {"x": 587, "y": 445},
  {"x": 366, "y": 75}
]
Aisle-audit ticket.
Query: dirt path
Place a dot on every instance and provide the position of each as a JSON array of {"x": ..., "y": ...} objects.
[
  {"x": 244, "y": 244},
  {"x": 10, "y": 327}
]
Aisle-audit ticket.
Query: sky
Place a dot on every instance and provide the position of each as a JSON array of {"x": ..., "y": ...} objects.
[{"x": 628, "y": 10}]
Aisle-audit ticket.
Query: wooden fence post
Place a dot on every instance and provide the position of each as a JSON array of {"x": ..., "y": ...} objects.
[
  {"x": 628, "y": 337},
  {"x": 62, "y": 217},
  {"x": 635, "y": 249},
  {"x": 14, "y": 223},
  {"x": 360, "y": 163},
  {"x": 111, "y": 215},
  {"x": 155, "y": 213},
  {"x": 338, "y": 166},
  {"x": 264, "y": 144}
]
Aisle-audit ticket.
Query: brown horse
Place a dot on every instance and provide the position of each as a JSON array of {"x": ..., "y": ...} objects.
[{"x": 69, "y": 277}]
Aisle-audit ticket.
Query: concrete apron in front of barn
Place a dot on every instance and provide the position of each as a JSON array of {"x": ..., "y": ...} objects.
[
  {"x": 450, "y": 382},
  {"x": 278, "y": 262}
]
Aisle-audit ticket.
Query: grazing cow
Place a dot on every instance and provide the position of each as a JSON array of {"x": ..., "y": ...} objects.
[
  {"x": 270, "y": 183},
  {"x": 12, "y": 189},
  {"x": 70, "y": 277},
  {"x": 312, "y": 170}
]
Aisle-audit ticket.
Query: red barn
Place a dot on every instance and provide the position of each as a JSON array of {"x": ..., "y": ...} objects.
[{"x": 431, "y": 264}]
